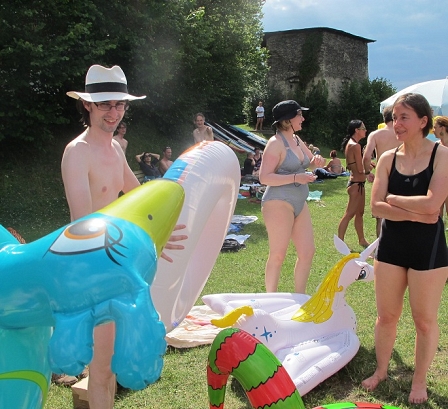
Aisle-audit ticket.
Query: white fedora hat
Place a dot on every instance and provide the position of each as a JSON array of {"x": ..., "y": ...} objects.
[{"x": 105, "y": 84}]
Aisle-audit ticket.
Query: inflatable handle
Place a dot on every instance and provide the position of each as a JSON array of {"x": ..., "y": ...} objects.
[{"x": 230, "y": 318}]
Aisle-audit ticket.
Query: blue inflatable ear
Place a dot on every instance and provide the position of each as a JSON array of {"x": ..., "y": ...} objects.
[{"x": 96, "y": 269}]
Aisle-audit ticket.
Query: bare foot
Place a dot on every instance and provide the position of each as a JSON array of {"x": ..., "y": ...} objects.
[
  {"x": 418, "y": 394},
  {"x": 364, "y": 244},
  {"x": 372, "y": 382}
]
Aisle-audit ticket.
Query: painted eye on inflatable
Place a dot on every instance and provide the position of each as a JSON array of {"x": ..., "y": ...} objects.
[
  {"x": 89, "y": 235},
  {"x": 362, "y": 275}
]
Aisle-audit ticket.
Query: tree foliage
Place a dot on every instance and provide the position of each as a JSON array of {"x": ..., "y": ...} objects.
[
  {"x": 359, "y": 100},
  {"x": 326, "y": 122},
  {"x": 185, "y": 55}
]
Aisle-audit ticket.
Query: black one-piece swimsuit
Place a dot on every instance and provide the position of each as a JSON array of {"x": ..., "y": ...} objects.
[{"x": 407, "y": 244}]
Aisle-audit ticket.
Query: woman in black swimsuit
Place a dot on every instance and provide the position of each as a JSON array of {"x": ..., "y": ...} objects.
[
  {"x": 355, "y": 187},
  {"x": 411, "y": 183}
]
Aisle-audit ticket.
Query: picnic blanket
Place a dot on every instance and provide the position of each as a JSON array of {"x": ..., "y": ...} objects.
[{"x": 196, "y": 329}]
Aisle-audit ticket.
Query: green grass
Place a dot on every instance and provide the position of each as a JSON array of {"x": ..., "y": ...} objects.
[
  {"x": 183, "y": 382},
  {"x": 34, "y": 204}
]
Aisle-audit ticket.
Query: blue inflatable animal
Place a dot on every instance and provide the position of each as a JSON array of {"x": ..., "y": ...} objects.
[{"x": 94, "y": 270}]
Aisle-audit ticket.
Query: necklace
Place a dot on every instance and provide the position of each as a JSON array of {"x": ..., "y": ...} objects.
[{"x": 296, "y": 139}]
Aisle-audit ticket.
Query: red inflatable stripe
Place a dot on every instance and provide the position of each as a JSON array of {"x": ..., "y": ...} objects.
[
  {"x": 278, "y": 387},
  {"x": 216, "y": 381},
  {"x": 226, "y": 359}
]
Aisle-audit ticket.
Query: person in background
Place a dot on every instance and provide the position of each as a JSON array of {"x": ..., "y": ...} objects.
[
  {"x": 147, "y": 162},
  {"x": 378, "y": 142},
  {"x": 441, "y": 129},
  {"x": 94, "y": 172},
  {"x": 249, "y": 165},
  {"x": 334, "y": 165},
  {"x": 441, "y": 132},
  {"x": 258, "y": 157},
  {"x": 356, "y": 131},
  {"x": 314, "y": 149},
  {"x": 284, "y": 207},
  {"x": 260, "y": 116},
  {"x": 119, "y": 136},
  {"x": 166, "y": 161},
  {"x": 202, "y": 131},
  {"x": 411, "y": 183}
]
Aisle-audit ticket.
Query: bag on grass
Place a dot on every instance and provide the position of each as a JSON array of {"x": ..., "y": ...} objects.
[{"x": 232, "y": 245}]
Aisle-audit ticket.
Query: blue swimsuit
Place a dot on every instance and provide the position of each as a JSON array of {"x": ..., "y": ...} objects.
[{"x": 295, "y": 195}]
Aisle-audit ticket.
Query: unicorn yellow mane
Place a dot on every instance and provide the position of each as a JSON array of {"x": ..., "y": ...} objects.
[{"x": 318, "y": 308}]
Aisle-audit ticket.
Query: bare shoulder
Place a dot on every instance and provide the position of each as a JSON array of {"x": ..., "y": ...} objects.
[
  {"x": 78, "y": 147},
  {"x": 385, "y": 159},
  {"x": 373, "y": 134},
  {"x": 116, "y": 144},
  {"x": 389, "y": 153},
  {"x": 353, "y": 147},
  {"x": 274, "y": 144},
  {"x": 442, "y": 154}
]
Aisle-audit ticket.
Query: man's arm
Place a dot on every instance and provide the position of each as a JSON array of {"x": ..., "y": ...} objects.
[
  {"x": 210, "y": 133},
  {"x": 368, "y": 152},
  {"x": 75, "y": 175}
]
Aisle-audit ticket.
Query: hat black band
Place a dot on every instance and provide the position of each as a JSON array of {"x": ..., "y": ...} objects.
[{"x": 106, "y": 87}]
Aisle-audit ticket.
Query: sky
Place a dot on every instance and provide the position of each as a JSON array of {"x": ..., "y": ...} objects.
[{"x": 411, "y": 36}]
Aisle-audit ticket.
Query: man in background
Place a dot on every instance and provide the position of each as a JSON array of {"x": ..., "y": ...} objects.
[
  {"x": 166, "y": 161},
  {"x": 202, "y": 131},
  {"x": 260, "y": 116},
  {"x": 119, "y": 136},
  {"x": 379, "y": 142}
]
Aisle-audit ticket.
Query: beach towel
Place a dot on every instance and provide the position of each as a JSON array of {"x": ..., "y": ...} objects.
[
  {"x": 315, "y": 195},
  {"x": 196, "y": 329}
]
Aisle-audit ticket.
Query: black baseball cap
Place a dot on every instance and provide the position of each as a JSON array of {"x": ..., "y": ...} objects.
[{"x": 286, "y": 110}]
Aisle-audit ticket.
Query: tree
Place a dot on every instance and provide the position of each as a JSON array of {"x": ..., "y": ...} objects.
[
  {"x": 185, "y": 55},
  {"x": 358, "y": 100},
  {"x": 316, "y": 128},
  {"x": 45, "y": 46}
]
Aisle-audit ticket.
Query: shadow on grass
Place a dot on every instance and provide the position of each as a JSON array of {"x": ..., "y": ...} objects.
[
  {"x": 239, "y": 392},
  {"x": 394, "y": 391}
]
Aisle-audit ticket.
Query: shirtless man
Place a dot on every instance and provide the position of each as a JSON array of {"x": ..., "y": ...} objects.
[
  {"x": 202, "y": 132},
  {"x": 119, "y": 136},
  {"x": 379, "y": 142},
  {"x": 166, "y": 161},
  {"x": 95, "y": 171}
]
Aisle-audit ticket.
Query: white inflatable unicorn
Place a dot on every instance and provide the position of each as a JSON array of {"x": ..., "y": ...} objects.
[{"x": 312, "y": 336}]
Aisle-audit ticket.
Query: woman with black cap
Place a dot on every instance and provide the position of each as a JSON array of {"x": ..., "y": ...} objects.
[{"x": 284, "y": 207}]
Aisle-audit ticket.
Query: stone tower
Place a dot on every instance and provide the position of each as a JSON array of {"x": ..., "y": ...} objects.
[{"x": 300, "y": 58}]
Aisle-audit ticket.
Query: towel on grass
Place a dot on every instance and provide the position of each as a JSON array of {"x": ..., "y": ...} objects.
[
  {"x": 196, "y": 329},
  {"x": 315, "y": 195},
  {"x": 243, "y": 219}
]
